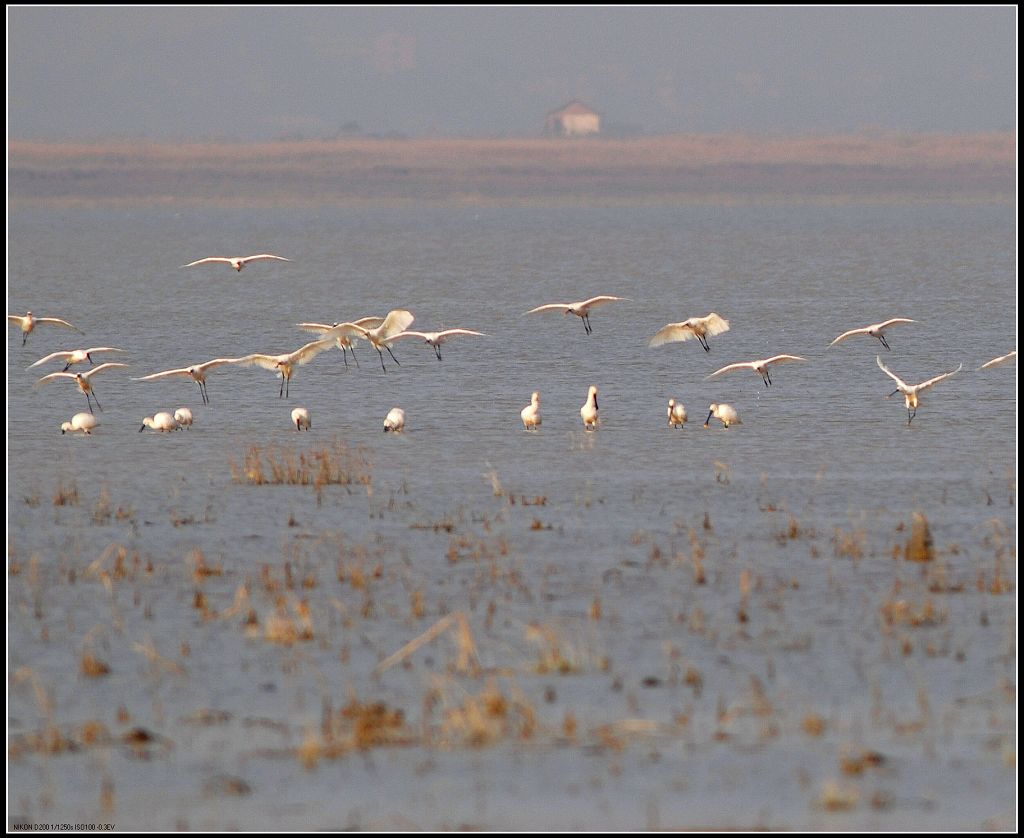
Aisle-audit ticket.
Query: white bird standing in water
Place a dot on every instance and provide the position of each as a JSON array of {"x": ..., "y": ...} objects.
[
  {"x": 875, "y": 330},
  {"x": 300, "y": 418},
  {"x": 676, "y": 414},
  {"x": 286, "y": 363},
  {"x": 724, "y": 413},
  {"x": 589, "y": 410},
  {"x": 396, "y": 321},
  {"x": 345, "y": 343},
  {"x": 395, "y": 420},
  {"x": 74, "y": 356},
  {"x": 237, "y": 262},
  {"x": 435, "y": 339},
  {"x": 29, "y": 322},
  {"x": 1002, "y": 359},
  {"x": 760, "y": 367},
  {"x": 183, "y": 416},
  {"x": 580, "y": 309},
  {"x": 531, "y": 413},
  {"x": 161, "y": 421},
  {"x": 910, "y": 391},
  {"x": 82, "y": 380},
  {"x": 84, "y": 422},
  {"x": 197, "y": 372},
  {"x": 694, "y": 327}
]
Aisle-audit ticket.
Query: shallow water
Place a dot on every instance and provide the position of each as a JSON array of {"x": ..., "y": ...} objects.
[{"x": 661, "y": 610}]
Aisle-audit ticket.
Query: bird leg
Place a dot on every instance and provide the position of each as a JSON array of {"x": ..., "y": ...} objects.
[
  {"x": 884, "y": 343},
  {"x": 437, "y": 352},
  {"x": 910, "y": 416},
  {"x": 280, "y": 392},
  {"x": 382, "y": 363},
  {"x": 392, "y": 354},
  {"x": 704, "y": 342}
]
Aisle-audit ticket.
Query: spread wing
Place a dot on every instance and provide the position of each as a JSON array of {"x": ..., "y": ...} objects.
[
  {"x": 893, "y": 322},
  {"x": 165, "y": 374},
  {"x": 101, "y": 368},
  {"x": 421, "y": 335},
  {"x": 746, "y": 365},
  {"x": 263, "y": 256},
  {"x": 16, "y": 318},
  {"x": 672, "y": 333},
  {"x": 50, "y": 357},
  {"x": 931, "y": 382},
  {"x": 899, "y": 381},
  {"x": 782, "y": 359},
  {"x": 53, "y": 376},
  {"x": 217, "y": 362},
  {"x": 563, "y": 307},
  {"x": 862, "y": 331},
  {"x": 447, "y": 333},
  {"x": 208, "y": 259},
  {"x": 268, "y": 362},
  {"x": 1000, "y": 360},
  {"x": 396, "y": 321},
  {"x": 597, "y": 301},
  {"x": 307, "y": 353},
  {"x": 56, "y": 321}
]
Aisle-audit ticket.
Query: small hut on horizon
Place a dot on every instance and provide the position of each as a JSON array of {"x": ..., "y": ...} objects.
[{"x": 573, "y": 120}]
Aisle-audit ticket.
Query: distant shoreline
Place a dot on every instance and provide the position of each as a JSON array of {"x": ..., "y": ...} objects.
[{"x": 679, "y": 167}]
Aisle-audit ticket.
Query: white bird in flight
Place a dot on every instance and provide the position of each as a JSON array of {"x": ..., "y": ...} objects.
[
  {"x": 396, "y": 322},
  {"x": 197, "y": 372},
  {"x": 760, "y": 367},
  {"x": 580, "y": 309},
  {"x": 910, "y": 391},
  {"x": 344, "y": 342},
  {"x": 676, "y": 414},
  {"x": 1002, "y": 359},
  {"x": 28, "y": 322},
  {"x": 694, "y": 327},
  {"x": 435, "y": 339},
  {"x": 395, "y": 420},
  {"x": 875, "y": 330},
  {"x": 588, "y": 413},
  {"x": 724, "y": 413},
  {"x": 237, "y": 262},
  {"x": 74, "y": 356},
  {"x": 84, "y": 422},
  {"x": 531, "y": 413},
  {"x": 82, "y": 380},
  {"x": 286, "y": 363}
]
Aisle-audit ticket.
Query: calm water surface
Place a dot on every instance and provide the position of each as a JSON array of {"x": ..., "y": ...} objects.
[{"x": 703, "y": 592}]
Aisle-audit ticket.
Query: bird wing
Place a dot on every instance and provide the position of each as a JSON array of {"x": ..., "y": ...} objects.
[
  {"x": 1001, "y": 359},
  {"x": 348, "y": 330},
  {"x": 894, "y": 321},
  {"x": 745, "y": 365},
  {"x": 369, "y": 322},
  {"x": 165, "y": 374},
  {"x": 315, "y": 327},
  {"x": 208, "y": 259},
  {"x": 449, "y": 332},
  {"x": 53, "y": 376},
  {"x": 931, "y": 382},
  {"x": 50, "y": 357},
  {"x": 781, "y": 359},
  {"x": 217, "y": 362},
  {"x": 268, "y": 362},
  {"x": 422, "y": 335},
  {"x": 715, "y": 324},
  {"x": 671, "y": 333},
  {"x": 396, "y": 321},
  {"x": 552, "y": 307},
  {"x": 92, "y": 349},
  {"x": 16, "y": 318},
  {"x": 899, "y": 381},
  {"x": 597, "y": 301},
  {"x": 56, "y": 321},
  {"x": 101, "y": 368},
  {"x": 307, "y": 353},
  {"x": 253, "y": 258},
  {"x": 851, "y": 333}
]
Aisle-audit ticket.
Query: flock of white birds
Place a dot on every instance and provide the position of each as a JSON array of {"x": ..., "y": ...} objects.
[{"x": 381, "y": 332}]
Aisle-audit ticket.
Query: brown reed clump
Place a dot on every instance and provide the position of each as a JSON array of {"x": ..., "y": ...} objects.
[
  {"x": 489, "y": 717},
  {"x": 332, "y": 464},
  {"x": 66, "y": 494},
  {"x": 919, "y": 547}
]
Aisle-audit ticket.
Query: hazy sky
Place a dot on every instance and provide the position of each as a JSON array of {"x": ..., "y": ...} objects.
[{"x": 262, "y": 72}]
